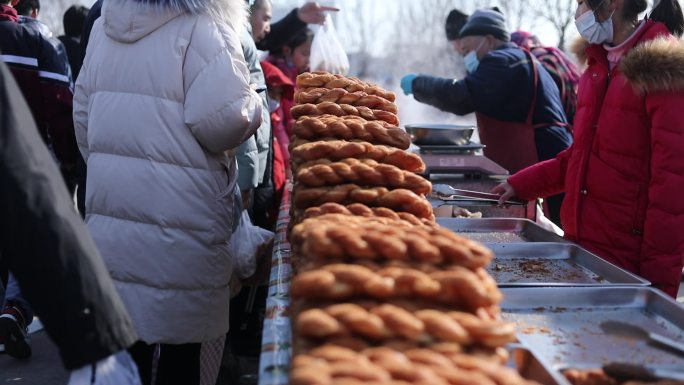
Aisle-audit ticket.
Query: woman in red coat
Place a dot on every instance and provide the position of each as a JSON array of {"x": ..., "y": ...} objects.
[{"x": 624, "y": 175}]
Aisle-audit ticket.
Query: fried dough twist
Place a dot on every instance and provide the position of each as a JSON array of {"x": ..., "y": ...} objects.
[
  {"x": 366, "y": 172},
  {"x": 456, "y": 286},
  {"x": 329, "y": 108},
  {"x": 323, "y": 238},
  {"x": 310, "y": 80},
  {"x": 361, "y": 210},
  {"x": 342, "y": 96},
  {"x": 398, "y": 200},
  {"x": 334, "y": 365},
  {"x": 326, "y": 152},
  {"x": 351, "y": 128}
]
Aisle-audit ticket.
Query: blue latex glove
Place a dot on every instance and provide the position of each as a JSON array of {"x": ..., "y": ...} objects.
[{"x": 407, "y": 83}]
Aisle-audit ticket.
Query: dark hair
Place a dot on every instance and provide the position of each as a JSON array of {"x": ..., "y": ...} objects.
[
  {"x": 258, "y": 4},
  {"x": 669, "y": 12},
  {"x": 302, "y": 37},
  {"x": 73, "y": 20},
  {"x": 454, "y": 22},
  {"x": 24, "y": 7}
]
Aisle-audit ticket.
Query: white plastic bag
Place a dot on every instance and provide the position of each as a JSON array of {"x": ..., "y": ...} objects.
[
  {"x": 327, "y": 53},
  {"x": 117, "y": 369},
  {"x": 243, "y": 246},
  {"x": 545, "y": 222}
]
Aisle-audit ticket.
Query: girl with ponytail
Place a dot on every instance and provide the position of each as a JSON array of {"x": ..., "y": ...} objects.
[{"x": 624, "y": 175}]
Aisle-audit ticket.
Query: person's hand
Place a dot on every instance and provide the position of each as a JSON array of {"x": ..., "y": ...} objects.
[
  {"x": 263, "y": 270},
  {"x": 407, "y": 83},
  {"x": 314, "y": 13},
  {"x": 505, "y": 190}
]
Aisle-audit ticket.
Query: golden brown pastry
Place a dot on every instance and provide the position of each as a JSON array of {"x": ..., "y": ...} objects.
[
  {"x": 365, "y": 172},
  {"x": 325, "y": 152},
  {"x": 334, "y": 236},
  {"x": 342, "y": 96},
  {"x": 386, "y": 321},
  {"x": 330, "y": 365},
  {"x": 458, "y": 286},
  {"x": 358, "y": 209},
  {"x": 349, "y": 128},
  {"x": 398, "y": 200},
  {"x": 310, "y": 80},
  {"x": 329, "y": 108}
]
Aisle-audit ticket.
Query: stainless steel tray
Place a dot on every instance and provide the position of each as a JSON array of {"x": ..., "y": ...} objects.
[
  {"x": 554, "y": 264},
  {"x": 500, "y": 230},
  {"x": 561, "y": 325},
  {"x": 532, "y": 367},
  {"x": 439, "y": 134}
]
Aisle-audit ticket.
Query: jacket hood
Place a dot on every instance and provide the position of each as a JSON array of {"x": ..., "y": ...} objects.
[{"x": 128, "y": 21}]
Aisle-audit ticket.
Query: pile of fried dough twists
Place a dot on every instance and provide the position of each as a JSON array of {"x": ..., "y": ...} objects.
[{"x": 381, "y": 294}]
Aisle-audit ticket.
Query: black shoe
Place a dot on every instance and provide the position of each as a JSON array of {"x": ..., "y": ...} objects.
[{"x": 14, "y": 334}]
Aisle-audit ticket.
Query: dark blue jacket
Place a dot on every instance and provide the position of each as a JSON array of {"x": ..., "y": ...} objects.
[{"x": 502, "y": 88}]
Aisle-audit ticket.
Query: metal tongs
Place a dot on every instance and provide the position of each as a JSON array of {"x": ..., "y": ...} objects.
[{"x": 448, "y": 194}]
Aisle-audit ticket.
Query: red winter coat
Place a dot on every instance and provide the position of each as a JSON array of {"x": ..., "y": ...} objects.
[{"x": 624, "y": 175}]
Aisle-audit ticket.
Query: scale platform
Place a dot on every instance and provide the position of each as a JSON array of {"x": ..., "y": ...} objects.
[{"x": 465, "y": 159}]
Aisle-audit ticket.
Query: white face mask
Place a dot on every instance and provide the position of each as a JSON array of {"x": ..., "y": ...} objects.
[
  {"x": 471, "y": 61},
  {"x": 592, "y": 30}
]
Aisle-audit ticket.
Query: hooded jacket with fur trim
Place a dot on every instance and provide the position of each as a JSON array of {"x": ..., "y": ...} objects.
[
  {"x": 624, "y": 175},
  {"x": 163, "y": 95}
]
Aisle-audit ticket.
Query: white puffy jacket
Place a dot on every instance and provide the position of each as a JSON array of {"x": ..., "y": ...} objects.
[{"x": 163, "y": 94}]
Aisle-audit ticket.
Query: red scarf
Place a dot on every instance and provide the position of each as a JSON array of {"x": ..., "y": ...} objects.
[{"x": 8, "y": 13}]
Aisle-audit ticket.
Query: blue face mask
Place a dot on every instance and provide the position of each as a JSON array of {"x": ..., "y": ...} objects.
[{"x": 471, "y": 61}]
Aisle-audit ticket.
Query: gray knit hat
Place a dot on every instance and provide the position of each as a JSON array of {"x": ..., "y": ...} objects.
[{"x": 487, "y": 22}]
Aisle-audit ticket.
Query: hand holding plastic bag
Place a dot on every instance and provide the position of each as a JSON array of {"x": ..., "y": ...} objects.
[
  {"x": 244, "y": 245},
  {"x": 327, "y": 53}
]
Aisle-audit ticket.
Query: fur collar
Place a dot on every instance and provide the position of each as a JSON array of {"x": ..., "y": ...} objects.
[
  {"x": 579, "y": 48},
  {"x": 656, "y": 66},
  {"x": 652, "y": 66}
]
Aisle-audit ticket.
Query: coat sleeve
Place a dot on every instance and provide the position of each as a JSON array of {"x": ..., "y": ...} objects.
[
  {"x": 47, "y": 247},
  {"x": 56, "y": 91},
  {"x": 449, "y": 95},
  {"x": 543, "y": 179},
  {"x": 662, "y": 249},
  {"x": 281, "y": 32},
  {"x": 247, "y": 157},
  {"x": 221, "y": 109}
]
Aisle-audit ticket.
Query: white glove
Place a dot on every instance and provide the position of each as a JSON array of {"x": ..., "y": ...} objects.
[{"x": 117, "y": 369}]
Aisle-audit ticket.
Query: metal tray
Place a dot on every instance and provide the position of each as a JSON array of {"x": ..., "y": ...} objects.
[
  {"x": 532, "y": 367},
  {"x": 555, "y": 264},
  {"x": 439, "y": 134},
  {"x": 561, "y": 325},
  {"x": 500, "y": 230}
]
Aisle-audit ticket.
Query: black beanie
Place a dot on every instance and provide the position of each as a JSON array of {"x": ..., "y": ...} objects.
[
  {"x": 454, "y": 22},
  {"x": 487, "y": 22}
]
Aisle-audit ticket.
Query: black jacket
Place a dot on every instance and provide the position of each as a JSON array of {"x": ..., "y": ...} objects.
[
  {"x": 501, "y": 88},
  {"x": 44, "y": 80},
  {"x": 282, "y": 32},
  {"x": 46, "y": 246}
]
